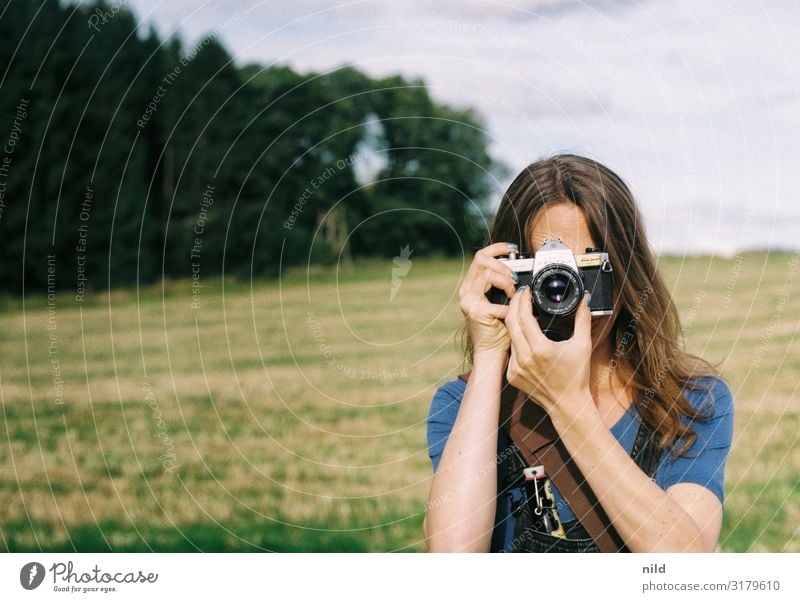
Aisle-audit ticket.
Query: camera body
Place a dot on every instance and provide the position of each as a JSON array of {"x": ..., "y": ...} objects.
[{"x": 557, "y": 279}]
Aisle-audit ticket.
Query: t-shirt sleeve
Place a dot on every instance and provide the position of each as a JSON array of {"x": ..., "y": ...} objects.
[
  {"x": 444, "y": 409},
  {"x": 704, "y": 462}
]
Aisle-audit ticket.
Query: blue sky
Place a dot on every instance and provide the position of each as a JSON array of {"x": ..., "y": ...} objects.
[{"x": 694, "y": 104}]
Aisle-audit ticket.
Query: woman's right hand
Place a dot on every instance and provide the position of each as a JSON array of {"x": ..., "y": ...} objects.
[{"x": 485, "y": 319}]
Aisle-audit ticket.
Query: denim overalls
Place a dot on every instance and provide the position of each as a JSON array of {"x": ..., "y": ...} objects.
[{"x": 527, "y": 538}]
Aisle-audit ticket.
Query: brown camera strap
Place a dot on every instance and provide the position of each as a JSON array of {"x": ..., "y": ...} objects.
[{"x": 531, "y": 429}]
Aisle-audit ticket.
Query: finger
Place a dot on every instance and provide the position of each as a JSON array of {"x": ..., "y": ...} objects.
[
  {"x": 497, "y": 311},
  {"x": 498, "y": 248},
  {"x": 482, "y": 307},
  {"x": 583, "y": 319},
  {"x": 513, "y": 321},
  {"x": 480, "y": 279},
  {"x": 485, "y": 262},
  {"x": 512, "y": 370},
  {"x": 520, "y": 352},
  {"x": 487, "y": 256},
  {"x": 484, "y": 273},
  {"x": 493, "y": 310},
  {"x": 529, "y": 324},
  {"x": 516, "y": 372},
  {"x": 501, "y": 280}
]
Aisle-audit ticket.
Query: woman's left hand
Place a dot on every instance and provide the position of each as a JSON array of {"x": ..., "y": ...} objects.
[{"x": 555, "y": 374}]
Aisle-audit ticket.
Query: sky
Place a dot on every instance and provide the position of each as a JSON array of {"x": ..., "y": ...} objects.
[{"x": 694, "y": 104}]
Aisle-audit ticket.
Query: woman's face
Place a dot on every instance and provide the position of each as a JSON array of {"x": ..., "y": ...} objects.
[{"x": 567, "y": 221}]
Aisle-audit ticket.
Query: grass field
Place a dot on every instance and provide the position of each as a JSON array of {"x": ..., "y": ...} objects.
[{"x": 290, "y": 416}]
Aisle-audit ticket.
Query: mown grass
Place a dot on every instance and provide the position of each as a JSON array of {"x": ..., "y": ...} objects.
[{"x": 290, "y": 415}]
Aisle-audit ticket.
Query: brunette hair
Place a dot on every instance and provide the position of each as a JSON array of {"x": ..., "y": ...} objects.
[{"x": 646, "y": 334}]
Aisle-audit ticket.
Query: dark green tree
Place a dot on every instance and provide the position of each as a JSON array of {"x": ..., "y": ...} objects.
[{"x": 135, "y": 154}]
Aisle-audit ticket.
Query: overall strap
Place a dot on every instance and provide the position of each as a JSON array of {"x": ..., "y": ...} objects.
[
  {"x": 531, "y": 429},
  {"x": 646, "y": 451}
]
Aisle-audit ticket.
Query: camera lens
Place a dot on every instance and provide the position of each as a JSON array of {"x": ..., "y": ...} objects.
[{"x": 557, "y": 290}]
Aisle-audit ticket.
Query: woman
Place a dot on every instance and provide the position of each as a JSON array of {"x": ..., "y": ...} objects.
[{"x": 617, "y": 377}]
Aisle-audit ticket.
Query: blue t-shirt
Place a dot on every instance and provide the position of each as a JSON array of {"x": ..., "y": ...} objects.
[{"x": 703, "y": 464}]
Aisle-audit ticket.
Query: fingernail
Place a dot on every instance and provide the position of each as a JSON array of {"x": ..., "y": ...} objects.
[
  {"x": 588, "y": 297},
  {"x": 522, "y": 288},
  {"x": 512, "y": 245},
  {"x": 515, "y": 277}
]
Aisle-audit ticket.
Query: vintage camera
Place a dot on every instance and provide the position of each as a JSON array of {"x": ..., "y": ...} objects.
[{"x": 558, "y": 279}]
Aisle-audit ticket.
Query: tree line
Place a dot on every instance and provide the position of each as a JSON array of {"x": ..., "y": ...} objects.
[{"x": 127, "y": 158}]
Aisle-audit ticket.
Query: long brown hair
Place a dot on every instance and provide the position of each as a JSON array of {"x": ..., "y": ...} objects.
[{"x": 646, "y": 332}]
